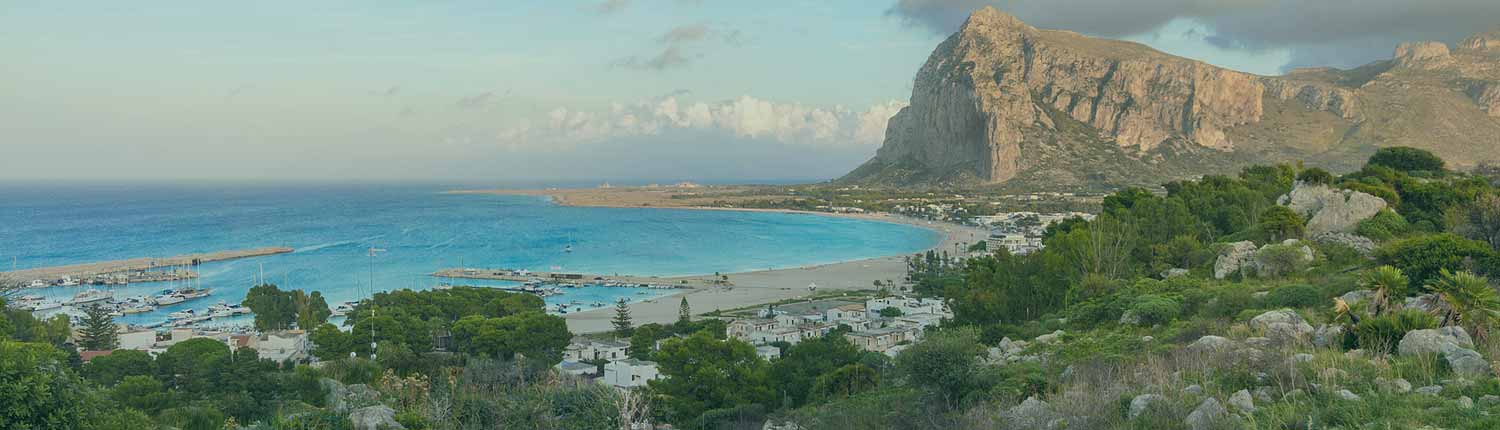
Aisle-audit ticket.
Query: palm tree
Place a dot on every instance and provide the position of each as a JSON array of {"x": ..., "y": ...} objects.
[
  {"x": 1387, "y": 283},
  {"x": 1466, "y": 300}
]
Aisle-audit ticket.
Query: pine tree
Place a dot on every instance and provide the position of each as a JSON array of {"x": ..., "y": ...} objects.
[
  {"x": 684, "y": 313},
  {"x": 98, "y": 330},
  {"x": 622, "y": 319}
]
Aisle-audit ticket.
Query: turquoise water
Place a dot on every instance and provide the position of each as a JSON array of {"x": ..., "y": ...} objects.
[{"x": 333, "y": 226}]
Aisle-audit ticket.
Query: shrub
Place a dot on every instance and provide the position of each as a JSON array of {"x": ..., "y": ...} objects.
[
  {"x": 1295, "y": 296},
  {"x": 1422, "y": 258},
  {"x": 1315, "y": 176},
  {"x": 1279, "y": 223},
  {"x": 1383, "y": 333},
  {"x": 1157, "y": 309},
  {"x": 1385, "y": 225},
  {"x": 1407, "y": 159},
  {"x": 1231, "y": 300},
  {"x": 1280, "y": 260}
]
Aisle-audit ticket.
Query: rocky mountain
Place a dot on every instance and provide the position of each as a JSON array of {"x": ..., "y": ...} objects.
[{"x": 1002, "y": 102}]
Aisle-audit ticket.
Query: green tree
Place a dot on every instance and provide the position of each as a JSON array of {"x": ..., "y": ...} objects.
[
  {"x": 1422, "y": 258},
  {"x": 37, "y": 392},
  {"x": 1315, "y": 175},
  {"x": 703, "y": 374},
  {"x": 622, "y": 319},
  {"x": 684, "y": 313},
  {"x": 195, "y": 366},
  {"x": 98, "y": 332},
  {"x": 844, "y": 382},
  {"x": 141, "y": 392},
  {"x": 312, "y": 310},
  {"x": 890, "y": 312},
  {"x": 537, "y": 336},
  {"x": 1407, "y": 159},
  {"x": 330, "y": 343},
  {"x": 1478, "y": 220},
  {"x": 1388, "y": 284},
  {"x": 1466, "y": 300},
  {"x": 945, "y": 365},
  {"x": 1278, "y": 223},
  {"x": 274, "y": 309},
  {"x": 793, "y": 376},
  {"x": 108, "y": 370}
]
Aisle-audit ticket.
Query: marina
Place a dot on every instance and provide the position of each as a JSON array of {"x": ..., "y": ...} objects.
[{"x": 131, "y": 271}]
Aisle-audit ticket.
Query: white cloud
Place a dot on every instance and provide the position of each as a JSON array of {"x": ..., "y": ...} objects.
[{"x": 743, "y": 117}]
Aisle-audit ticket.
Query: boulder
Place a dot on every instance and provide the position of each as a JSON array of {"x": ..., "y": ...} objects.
[
  {"x": 378, "y": 417},
  {"x": 785, "y": 425},
  {"x": 1241, "y": 401},
  {"x": 1282, "y": 325},
  {"x": 1210, "y": 343},
  {"x": 1331, "y": 210},
  {"x": 1362, "y": 245},
  {"x": 1205, "y": 415},
  {"x": 1431, "y": 390},
  {"x": 1129, "y": 318},
  {"x": 1489, "y": 400},
  {"x": 1357, "y": 296},
  {"x": 1466, "y": 362},
  {"x": 1031, "y": 413},
  {"x": 336, "y": 395},
  {"x": 1393, "y": 386},
  {"x": 1434, "y": 341},
  {"x": 1328, "y": 336},
  {"x": 1424, "y": 302},
  {"x": 1194, "y": 389},
  {"x": 1049, "y": 337},
  {"x": 1173, "y": 273},
  {"x": 1302, "y": 358},
  {"x": 1347, "y": 395},
  {"x": 1233, "y": 257},
  {"x": 1465, "y": 403},
  {"x": 1139, "y": 404}
]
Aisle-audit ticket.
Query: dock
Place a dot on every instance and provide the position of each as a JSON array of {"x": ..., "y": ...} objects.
[
  {"x": 579, "y": 279},
  {"x": 143, "y": 269}
]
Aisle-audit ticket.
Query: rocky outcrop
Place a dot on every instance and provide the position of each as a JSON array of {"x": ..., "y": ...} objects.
[
  {"x": 1358, "y": 243},
  {"x": 1206, "y": 415},
  {"x": 1453, "y": 344},
  {"x": 1001, "y": 100},
  {"x": 378, "y": 417},
  {"x": 1031, "y": 413},
  {"x": 1233, "y": 257},
  {"x": 1282, "y": 326},
  {"x": 1139, "y": 404},
  {"x": 1331, "y": 210},
  {"x": 1486, "y": 94}
]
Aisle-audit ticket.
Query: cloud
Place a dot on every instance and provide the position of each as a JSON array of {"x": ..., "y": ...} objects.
[
  {"x": 1317, "y": 32},
  {"x": 745, "y": 117},
  {"x": 475, "y": 101},
  {"x": 610, "y": 6},
  {"x": 675, "y": 45}
]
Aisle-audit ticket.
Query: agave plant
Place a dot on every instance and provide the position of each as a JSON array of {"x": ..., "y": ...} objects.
[
  {"x": 1466, "y": 300},
  {"x": 1342, "y": 312},
  {"x": 1387, "y": 283}
]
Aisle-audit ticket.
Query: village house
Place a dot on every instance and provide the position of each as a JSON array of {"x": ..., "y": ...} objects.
[
  {"x": 883, "y": 340},
  {"x": 629, "y": 373},
  {"x": 594, "y": 350},
  {"x": 767, "y": 352},
  {"x": 907, "y": 306},
  {"x": 575, "y": 368}
]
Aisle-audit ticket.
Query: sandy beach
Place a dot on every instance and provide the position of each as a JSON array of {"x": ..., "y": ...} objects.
[{"x": 767, "y": 286}]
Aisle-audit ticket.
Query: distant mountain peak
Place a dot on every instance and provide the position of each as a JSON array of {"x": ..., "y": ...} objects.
[{"x": 1002, "y": 102}]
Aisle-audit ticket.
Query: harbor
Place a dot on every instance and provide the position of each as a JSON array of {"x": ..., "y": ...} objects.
[{"x": 135, "y": 270}]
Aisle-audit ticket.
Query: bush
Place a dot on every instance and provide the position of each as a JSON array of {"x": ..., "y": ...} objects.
[
  {"x": 1295, "y": 296},
  {"x": 1422, "y": 258},
  {"x": 1315, "y": 176},
  {"x": 1279, "y": 260},
  {"x": 1157, "y": 309},
  {"x": 1406, "y": 159},
  {"x": 1384, "y": 226},
  {"x": 1383, "y": 333},
  {"x": 1230, "y": 300}
]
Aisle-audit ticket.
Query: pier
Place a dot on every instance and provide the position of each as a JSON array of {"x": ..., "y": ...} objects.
[
  {"x": 565, "y": 278},
  {"x": 144, "y": 269}
]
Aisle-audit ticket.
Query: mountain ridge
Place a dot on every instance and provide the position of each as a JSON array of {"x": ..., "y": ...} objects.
[{"x": 1003, "y": 103}]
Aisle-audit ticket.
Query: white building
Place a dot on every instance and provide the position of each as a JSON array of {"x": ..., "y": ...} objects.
[
  {"x": 921, "y": 321},
  {"x": 575, "y": 368},
  {"x": 767, "y": 352},
  {"x": 629, "y": 373},
  {"x": 907, "y": 306},
  {"x": 882, "y": 340},
  {"x": 282, "y": 346},
  {"x": 593, "y": 350}
]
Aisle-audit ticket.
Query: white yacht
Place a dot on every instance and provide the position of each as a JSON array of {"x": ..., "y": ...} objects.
[
  {"x": 343, "y": 309},
  {"x": 221, "y": 310},
  {"x": 91, "y": 296}
]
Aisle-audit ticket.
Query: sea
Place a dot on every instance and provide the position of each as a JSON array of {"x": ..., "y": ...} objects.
[{"x": 418, "y": 228}]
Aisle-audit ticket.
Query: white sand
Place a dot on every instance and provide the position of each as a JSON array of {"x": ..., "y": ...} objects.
[{"x": 754, "y": 288}]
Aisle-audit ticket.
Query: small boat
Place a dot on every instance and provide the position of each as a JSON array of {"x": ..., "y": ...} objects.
[
  {"x": 222, "y": 310},
  {"x": 181, "y": 315},
  {"x": 168, "y": 299},
  {"x": 568, "y": 248},
  {"x": 343, "y": 309},
  {"x": 139, "y": 309},
  {"x": 91, "y": 296},
  {"x": 38, "y": 283},
  {"x": 43, "y": 305}
]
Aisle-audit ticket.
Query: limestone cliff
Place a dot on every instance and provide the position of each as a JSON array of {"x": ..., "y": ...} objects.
[{"x": 1001, "y": 101}]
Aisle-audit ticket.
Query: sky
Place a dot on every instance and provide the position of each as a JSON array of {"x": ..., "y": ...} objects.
[{"x": 537, "y": 91}]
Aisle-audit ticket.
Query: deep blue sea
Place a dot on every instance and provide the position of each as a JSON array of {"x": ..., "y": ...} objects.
[{"x": 332, "y": 227}]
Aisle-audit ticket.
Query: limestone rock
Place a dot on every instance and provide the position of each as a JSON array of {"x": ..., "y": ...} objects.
[
  {"x": 1434, "y": 341},
  {"x": 1347, "y": 395},
  {"x": 1424, "y": 302},
  {"x": 1466, "y": 362},
  {"x": 1422, "y": 55},
  {"x": 1049, "y": 337},
  {"x": 1282, "y": 325},
  {"x": 1465, "y": 402},
  {"x": 1330, "y": 210},
  {"x": 1431, "y": 390},
  {"x": 1362, "y": 244},
  {"x": 1210, "y": 343},
  {"x": 1194, "y": 389},
  {"x": 1129, "y": 318},
  {"x": 1139, "y": 404},
  {"x": 1233, "y": 258},
  {"x": 1397, "y": 386},
  {"x": 1031, "y": 413},
  {"x": 1302, "y": 358},
  {"x": 378, "y": 417},
  {"x": 1242, "y": 401},
  {"x": 1489, "y": 400},
  {"x": 1173, "y": 273},
  {"x": 1328, "y": 335},
  {"x": 1206, "y": 415},
  {"x": 785, "y": 425}
]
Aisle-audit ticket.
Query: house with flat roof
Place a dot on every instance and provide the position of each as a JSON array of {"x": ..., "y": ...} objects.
[
  {"x": 629, "y": 373},
  {"x": 883, "y": 339}
]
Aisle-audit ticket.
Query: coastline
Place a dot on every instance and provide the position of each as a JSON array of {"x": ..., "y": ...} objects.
[{"x": 758, "y": 287}]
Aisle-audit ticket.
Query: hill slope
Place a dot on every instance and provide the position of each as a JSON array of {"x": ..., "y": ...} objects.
[{"x": 1001, "y": 102}]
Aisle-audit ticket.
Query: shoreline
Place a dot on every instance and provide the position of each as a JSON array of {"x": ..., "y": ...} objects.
[{"x": 758, "y": 287}]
